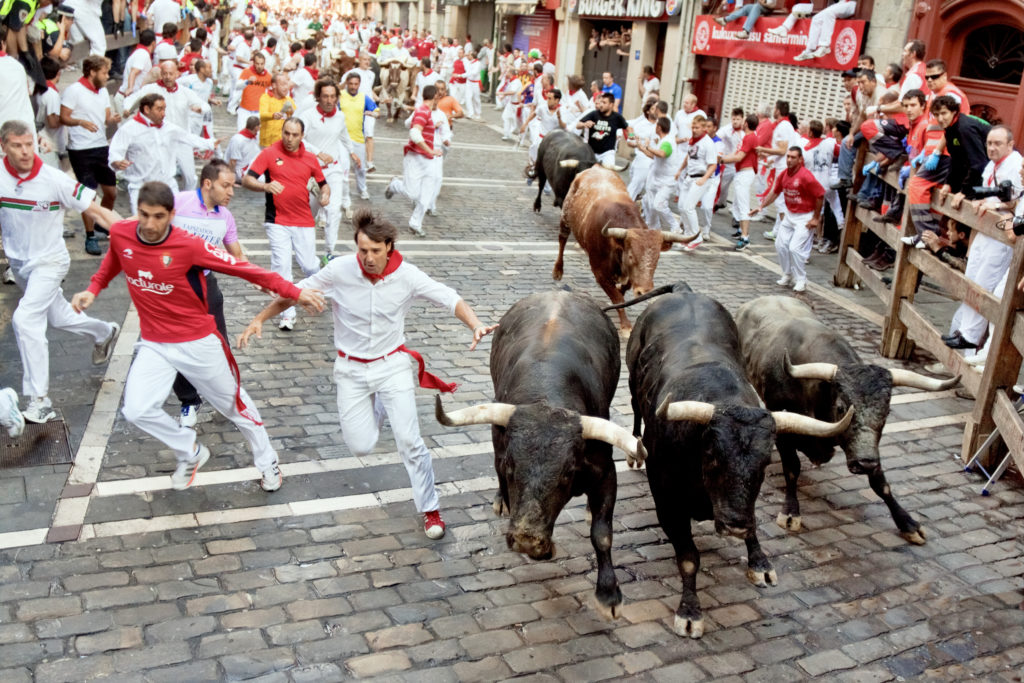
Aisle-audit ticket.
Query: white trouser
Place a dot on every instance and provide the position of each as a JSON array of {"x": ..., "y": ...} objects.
[
  {"x": 359, "y": 149},
  {"x": 88, "y": 26},
  {"x": 533, "y": 130},
  {"x": 203, "y": 363},
  {"x": 472, "y": 94},
  {"x": 832, "y": 199},
  {"x": 336, "y": 175},
  {"x": 780, "y": 211},
  {"x": 707, "y": 204},
  {"x": 435, "y": 179},
  {"x": 369, "y": 125},
  {"x": 801, "y": 8},
  {"x": 43, "y": 304},
  {"x": 824, "y": 23},
  {"x": 236, "y": 89},
  {"x": 638, "y": 171},
  {"x": 656, "y": 206},
  {"x": 186, "y": 162},
  {"x": 987, "y": 264},
  {"x": 606, "y": 157},
  {"x": 134, "y": 187},
  {"x": 242, "y": 116},
  {"x": 742, "y": 185},
  {"x": 391, "y": 381},
  {"x": 793, "y": 243},
  {"x": 456, "y": 90},
  {"x": 998, "y": 293},
  {"x": 508, "y": 121},
  {"x": 284, "y": 241},
  {"x": 689, "y": 194},
  {"x": 416, "y": 184},
  {"x": 727, "y": 176}
]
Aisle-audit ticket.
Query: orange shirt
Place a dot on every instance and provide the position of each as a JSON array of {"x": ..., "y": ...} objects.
[
  {"x": 258, "y": 84},
  {"x": 450, "y": 106}
]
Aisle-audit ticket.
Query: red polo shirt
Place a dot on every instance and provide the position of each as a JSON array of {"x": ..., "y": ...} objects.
[
  {"x": 800, "y": 189},
  {"x": 293, "y": 170}
]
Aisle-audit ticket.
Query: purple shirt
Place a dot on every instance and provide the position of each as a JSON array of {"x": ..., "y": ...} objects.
[{"x": 216, "y": 227}]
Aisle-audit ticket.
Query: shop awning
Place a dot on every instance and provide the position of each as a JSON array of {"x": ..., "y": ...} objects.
[{"x": 515, "y": 7}]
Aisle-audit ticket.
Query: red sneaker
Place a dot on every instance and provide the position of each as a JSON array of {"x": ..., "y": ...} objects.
[{"x": 433, "y": 525}]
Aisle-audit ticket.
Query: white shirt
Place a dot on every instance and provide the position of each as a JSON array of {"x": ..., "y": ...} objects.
[
  {"x": 548, "y": 119},
  {"x": 472, "y": 69},
  {"x": 1008, "y": 169},
  {"x": 512, "y": 89},
  {"x": 36, "y": 231},
  {"x": 577, "y": 103},
  {"x": 302, "y": 87},
  {"x": 684, "y": 121},
  {"x": 242, "y": 151},
  {"x": 179, "y": 102},
  {"x": 369, "y": 319},
  {"x": 243, "y": 54},
  {"x": 423, "y": 80},
  {"x": 663, "y": 170},
  {"x": 86, "y": 105},
  {"x": 731, "y": 138},
  {"x": 701, "y": 155},
  {"x": 163, "y": 52},
  {"x": 367, "y": 79},
  {"x": 783, "y": 132},
  {"x": 146, "y": 147},
  {"x": 643, "y": 130},
  {"x": 327, "y": 135},
  {"x": 819, "y": 160},
  {"x": 650, "y": 86},
  {"x": 204, "y": 89},
  {"x": 49, "y": 103},
  {"x": 139, "y": 59},
  {"x": 164, "y": 12}
]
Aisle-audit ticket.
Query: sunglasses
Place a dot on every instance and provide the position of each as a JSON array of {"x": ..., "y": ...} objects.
[{"x": 932, "y": 77}]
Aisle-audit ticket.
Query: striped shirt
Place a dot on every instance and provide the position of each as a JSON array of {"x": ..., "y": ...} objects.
[
  {"x": 32, "y": 210},
  {"x": 421, "y": 117}
]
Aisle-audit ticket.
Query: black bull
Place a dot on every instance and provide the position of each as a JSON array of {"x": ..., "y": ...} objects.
[
  {"x": 799, "y": 364},
  {"x": 707, "y": 435},
  {"x": 560, "y": 157},
  {"x": 555, "y": 365}
]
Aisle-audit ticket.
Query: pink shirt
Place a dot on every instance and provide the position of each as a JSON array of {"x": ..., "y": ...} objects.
[{"x": 216, "y": 226}]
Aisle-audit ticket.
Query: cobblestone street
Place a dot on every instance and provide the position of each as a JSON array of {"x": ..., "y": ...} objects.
[{"x": 332, "y": 577}]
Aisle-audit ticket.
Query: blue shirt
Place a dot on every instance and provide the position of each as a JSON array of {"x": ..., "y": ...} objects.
[{"x": 616, "y": 90}]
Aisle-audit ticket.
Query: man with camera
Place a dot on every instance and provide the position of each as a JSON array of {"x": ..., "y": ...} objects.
[{"x": 988, "y": 259}]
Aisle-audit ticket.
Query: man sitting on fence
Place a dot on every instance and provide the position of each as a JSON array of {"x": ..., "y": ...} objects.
[{"x": 988, "y": 259}]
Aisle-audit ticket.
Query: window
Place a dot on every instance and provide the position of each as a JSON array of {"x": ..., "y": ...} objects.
[{"x": 994, "y": 53}]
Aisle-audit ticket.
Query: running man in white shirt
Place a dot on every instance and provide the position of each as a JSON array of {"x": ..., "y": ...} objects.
[
  {"x": 33, "y": 198},
  {"x": 698, "y": 167},
  {"x": 243, "y": 147},
  {"x": 371, "y": 293}
]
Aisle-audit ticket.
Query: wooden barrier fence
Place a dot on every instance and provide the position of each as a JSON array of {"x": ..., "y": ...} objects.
[{"x": 905, "y": 326}]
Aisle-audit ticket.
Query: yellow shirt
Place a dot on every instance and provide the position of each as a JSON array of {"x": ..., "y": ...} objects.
[
  {"x": 270, "y": 128},
  {"x": 353, "y": 107}
]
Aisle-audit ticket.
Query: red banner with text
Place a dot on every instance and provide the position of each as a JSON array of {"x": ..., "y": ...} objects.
[{"x": 721, "y": 41}]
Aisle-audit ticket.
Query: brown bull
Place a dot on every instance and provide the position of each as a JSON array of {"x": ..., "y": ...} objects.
[{"x": 607, "y": 225}]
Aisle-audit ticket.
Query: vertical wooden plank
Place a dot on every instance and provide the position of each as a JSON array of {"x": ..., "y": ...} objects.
[{"x": 895, "y": 342}]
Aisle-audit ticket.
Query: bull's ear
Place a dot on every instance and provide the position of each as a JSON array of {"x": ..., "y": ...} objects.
[{"x": 665, "y": 246}]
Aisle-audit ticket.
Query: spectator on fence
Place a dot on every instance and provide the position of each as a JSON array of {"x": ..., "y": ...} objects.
[{"x": 819, "y": 36}]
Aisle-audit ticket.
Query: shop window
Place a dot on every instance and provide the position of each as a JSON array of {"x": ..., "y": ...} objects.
[{"x": 994, "y": 53}]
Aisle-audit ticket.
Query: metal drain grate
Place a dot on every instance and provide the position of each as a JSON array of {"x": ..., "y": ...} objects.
[{"x": 39, "y": 444}]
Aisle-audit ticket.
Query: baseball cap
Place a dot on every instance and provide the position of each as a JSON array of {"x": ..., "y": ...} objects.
[
  {"x": 851, "y": 73},
  {"x": 66, "y": 11}
]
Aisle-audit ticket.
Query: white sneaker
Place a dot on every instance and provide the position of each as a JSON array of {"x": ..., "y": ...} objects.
[
  {"x": 821, "y": 52},
  {"x": 977, "y": 360},
  {"x": 39, "y": 410},
  {"x": 364, "y": 195},
  {"x": 784, "y": 281},
  {"x": 920, "y": 244},
  {"x": 185, "y": 472},
  {"x": 779, "y": 31},
  {"x": 9, "y": 276},
  {"x": 803, "y": 56},
  {"x": 910, "y": 240},
  {"x": 286, "y": 324},
  {"x": 10, "y": 417},
  {"x": 189, "y": 416},
  {"x": 272, "y": 479},
  {"x": 692, "y": 246},
  {"x": 800, "y": 286},
  {"x": 101, "y": 351},
  {"x": 348, "y": 213}
]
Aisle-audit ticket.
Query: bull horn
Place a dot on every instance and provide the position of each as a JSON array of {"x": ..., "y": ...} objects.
[
  {"x": 693, "y": 411},
  {"x": 480, "y": 414},
  {"x": 600, "y": 429},
  {"x": 569, "y": 163},
  {"x": 617, "y": 169},
  {"x": 615, "y": 233},
  {"x": 907, "y": 378},
  {"x": 795, "y": 423},
  {"x": 677, "y": 237},
  {"x": 823, "y": 371}
]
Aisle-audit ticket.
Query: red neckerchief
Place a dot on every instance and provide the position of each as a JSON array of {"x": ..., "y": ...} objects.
[
  {"x": 146, "y": 122},
  {"x": 573, "y": 92},
  {"x": 143, "y": 48},
  {"x": 174, "y": 89},
  {"x": 394, "y": 260},
  {"x": 315, "y": 73},
  {"x": 88, "y": 84},
  {"x": 651, "y": 78},
  {"x": 427, "y": 72},
  {"x": 168, "y": 41},
  {"x": 695, "y": 140},
  {"x": 813, "y": 142},
  {"x": 247, "y": 134},
  {"x": 2, "y": 53},
  {"x": 991, "y": 181},
  {"x": 324, "y": 115},
  {"x": 37, "y": 165},
  {"x": 51, "y": 85},
  {"x": 297, "y": 153}
]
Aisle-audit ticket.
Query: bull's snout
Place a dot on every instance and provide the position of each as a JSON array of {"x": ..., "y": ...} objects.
[
  {"x": 862, "y": 466},
  {"x": 536, "y": 547},
  {"x": 736, "y": 529}
]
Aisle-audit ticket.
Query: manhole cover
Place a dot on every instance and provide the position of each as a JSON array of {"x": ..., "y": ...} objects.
[{"x": 39, "y": 444}]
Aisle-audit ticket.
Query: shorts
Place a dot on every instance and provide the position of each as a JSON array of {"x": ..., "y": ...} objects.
[
  {"x": 21, "y": 13},
  {"x": 90, "y": 167}
]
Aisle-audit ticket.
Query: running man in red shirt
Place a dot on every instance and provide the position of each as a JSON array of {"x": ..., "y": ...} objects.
[
  {"x": 421, "y": 176},
  {"x": 804, "y": 197},
  {"x": 283, "y": 171},
  {"x": 163, "y": 266}
]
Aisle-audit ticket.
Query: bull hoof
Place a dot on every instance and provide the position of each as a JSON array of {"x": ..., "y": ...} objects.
[
  {"x": 499, "y": 506},
  {"x": 609, "y": 612},
  {"x": 693, "y": 628},
  {"x": 762, "y": 578},
  {"x": 556, "y": 274},
  {"x": 788, "y": 522},
  {"x": 624, "y": 332},
  {"x": 915, "y": 536}
]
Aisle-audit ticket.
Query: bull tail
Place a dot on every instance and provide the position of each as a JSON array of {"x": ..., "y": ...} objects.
[{"x": 657, "y": 291}]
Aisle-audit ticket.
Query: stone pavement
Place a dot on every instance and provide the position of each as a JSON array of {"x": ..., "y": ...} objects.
[{"x": 332, "y": 577}]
